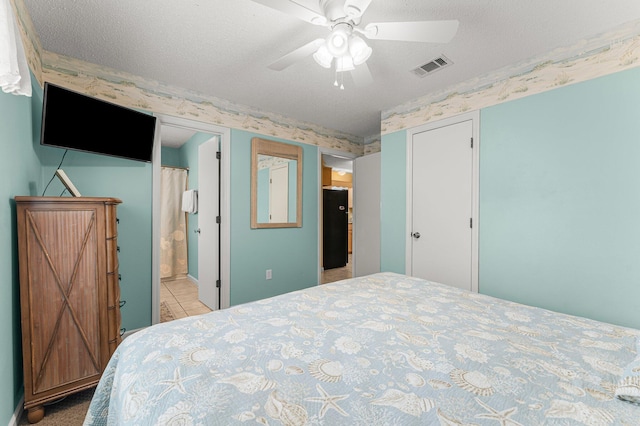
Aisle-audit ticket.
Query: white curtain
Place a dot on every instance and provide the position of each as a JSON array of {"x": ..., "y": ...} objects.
[
  {"x": 173, "y": 226},
  {"x": 14, "y": 71}
]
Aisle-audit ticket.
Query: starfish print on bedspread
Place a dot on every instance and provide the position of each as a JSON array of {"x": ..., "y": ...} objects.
[
  {"x": 499, "y": 416},
  {"x": 176, "y": 383},
  {"x": 328, "y": 401}
]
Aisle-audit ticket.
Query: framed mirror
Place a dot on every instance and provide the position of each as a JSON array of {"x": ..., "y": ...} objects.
[{"x": 276, "y": 184}]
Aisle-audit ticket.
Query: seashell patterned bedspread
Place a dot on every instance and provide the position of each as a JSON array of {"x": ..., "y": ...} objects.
[{"x": 385, "y": 349}]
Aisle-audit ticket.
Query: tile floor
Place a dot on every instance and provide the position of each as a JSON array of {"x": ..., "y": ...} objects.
[
  {"x": 337, "y": 274},
  {"x": 181, "y": 297},
  {"x": 181, "y": 294}
]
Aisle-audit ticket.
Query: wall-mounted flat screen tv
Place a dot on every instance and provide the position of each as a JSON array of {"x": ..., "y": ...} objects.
[{"x": 75, "y": 121}]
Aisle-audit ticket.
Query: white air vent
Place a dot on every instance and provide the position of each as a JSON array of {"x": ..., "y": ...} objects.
[{"x": 432, "y": 66}]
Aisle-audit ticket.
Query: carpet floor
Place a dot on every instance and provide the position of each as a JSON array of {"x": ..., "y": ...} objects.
[{"x": 70, "y": 411}]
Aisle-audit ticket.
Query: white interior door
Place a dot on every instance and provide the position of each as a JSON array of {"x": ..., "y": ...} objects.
[
  {"x": 279, "y": 194},
  {"x": 366, "y": 215},
  {"x": 209, "y": 235},
  {"x": 442, "y": 205}
]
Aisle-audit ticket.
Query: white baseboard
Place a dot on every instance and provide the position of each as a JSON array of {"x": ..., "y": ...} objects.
[
  {"x": 194, "y": 279},
  {"x": 15, "y": 419}
]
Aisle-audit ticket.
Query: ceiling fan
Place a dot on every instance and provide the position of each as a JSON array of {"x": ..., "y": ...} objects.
[{"x": 344, "y": 48}]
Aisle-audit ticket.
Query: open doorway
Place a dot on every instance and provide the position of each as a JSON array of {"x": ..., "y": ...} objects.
[
  {"x": 183, "y": 283},
  {"x": 336, "y": 255},
  {"x": 192, "y": 290}
]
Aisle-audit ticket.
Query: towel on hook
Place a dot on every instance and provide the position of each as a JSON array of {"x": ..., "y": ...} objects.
[
  {"x": 14, "y": 71},
  {"x": 190, "y": 201}
]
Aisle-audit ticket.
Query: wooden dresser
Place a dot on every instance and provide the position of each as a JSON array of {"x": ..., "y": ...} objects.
[{"x": 69, "y": 294}]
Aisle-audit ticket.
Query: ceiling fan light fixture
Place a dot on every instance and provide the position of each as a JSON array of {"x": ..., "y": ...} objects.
[
  {"x": 338, "y": 42},
  {"x": 344, "y": 63},
  {"x": 323, "y": 57},
  {"x": 359, "y": 50}
]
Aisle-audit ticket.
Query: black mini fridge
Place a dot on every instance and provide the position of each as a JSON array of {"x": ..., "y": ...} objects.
[{"x": 335, "y": 218}]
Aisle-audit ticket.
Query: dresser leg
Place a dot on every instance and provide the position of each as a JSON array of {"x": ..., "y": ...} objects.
[{"x": 35, "y": 414}]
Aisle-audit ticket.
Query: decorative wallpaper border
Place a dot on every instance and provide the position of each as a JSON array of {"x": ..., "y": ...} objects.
[
  {"x": 605, "y": 54},
  {"x": 372, "y": 145},
  {"x": 136, "y": 92}
]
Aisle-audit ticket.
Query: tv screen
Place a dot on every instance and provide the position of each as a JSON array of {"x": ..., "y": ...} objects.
[{"x": 75, "y": 121}]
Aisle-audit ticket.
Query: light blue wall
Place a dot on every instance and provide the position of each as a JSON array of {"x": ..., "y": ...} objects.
[
  {"x": 20, "y": 176},
  {"x": 171, "y": 157},
  {"x": 393, "y": 198},
  {"x": 560, "y": 199},
  {"x": 189, "y": 158},
  {"x": 292, "y": 253}
]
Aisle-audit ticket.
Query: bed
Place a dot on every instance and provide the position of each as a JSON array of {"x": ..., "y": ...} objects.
[{"x": 385, "y": 349}]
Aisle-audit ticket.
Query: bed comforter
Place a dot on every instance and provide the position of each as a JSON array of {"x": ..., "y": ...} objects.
[{"x": 385, "y": 349}]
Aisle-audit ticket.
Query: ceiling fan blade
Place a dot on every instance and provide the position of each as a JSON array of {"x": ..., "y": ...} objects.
[
  {"x": 362, "y": 75},
  {"x": 422, "y": 31},
  {"x": 356, "y": 8},
  {"x": 297, "y": 55},
  {"x": 295, "y": 9}
]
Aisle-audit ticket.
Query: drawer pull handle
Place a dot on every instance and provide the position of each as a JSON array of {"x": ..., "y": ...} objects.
[
  {"x": 122, "y": 331},
  {"x": 119, "y": 277},
  {"x": 122, "y": 303}
]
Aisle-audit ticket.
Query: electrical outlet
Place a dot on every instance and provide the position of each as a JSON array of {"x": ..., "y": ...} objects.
[{"x": 268, "y": 274}]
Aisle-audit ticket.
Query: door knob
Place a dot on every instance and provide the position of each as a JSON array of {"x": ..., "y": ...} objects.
[
  {"x": 416, "y": 235},
  {"x": 197, "y": 231}
]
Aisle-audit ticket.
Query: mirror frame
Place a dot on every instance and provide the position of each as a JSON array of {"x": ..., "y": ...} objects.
[{"x": 261, "y": 146}]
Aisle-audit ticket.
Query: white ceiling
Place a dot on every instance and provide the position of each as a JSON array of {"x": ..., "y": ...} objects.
[
  {"x": 175, "y": 137},
  {"x": 222, "y": 48},
  {"x": 338, "y": 163}
]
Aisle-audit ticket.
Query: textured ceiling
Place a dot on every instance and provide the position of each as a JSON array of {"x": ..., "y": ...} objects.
[{"x": 222, "y": 48}]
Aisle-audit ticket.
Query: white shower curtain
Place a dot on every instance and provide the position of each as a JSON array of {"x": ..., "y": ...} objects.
[{"x": 173, "y": 226}]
